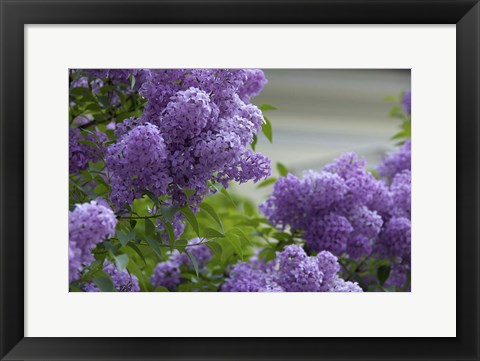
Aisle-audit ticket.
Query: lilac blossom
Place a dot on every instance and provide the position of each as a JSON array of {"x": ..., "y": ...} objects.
[
  {"x": 79, "y": 153},
  {"x": 292, "y": 271},
  {"x": 89, "y": 224},
  {"x": 204, "y": 126},
  {"x": 395, "y": 162},
  {"x": 331, "y": 207}
]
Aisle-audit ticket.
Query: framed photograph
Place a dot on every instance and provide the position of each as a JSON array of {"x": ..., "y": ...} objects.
[{"x": 239, "y": 180}]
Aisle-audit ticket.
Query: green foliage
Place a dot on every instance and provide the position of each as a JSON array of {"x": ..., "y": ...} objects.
[
  {"x": 406, "y": 123},
  {"x": 282, "y": 170}
]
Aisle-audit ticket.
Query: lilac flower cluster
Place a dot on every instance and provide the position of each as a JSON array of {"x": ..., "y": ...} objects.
[
  {"x": 203, "y": 121},
  {"x": 137, "y": 162},
  {"x": 394, "y": 241},
  {"x": 292, "y": 271},
  {"x": 331, "y": 207},
  {"x": 167, "y": 274},
  {"x": 345, "y": 210},
  {"x": 80, "y": 154},
  {"x": 123, "y": 281},
  {"x": 396, "y": 162},
  {"x": 89, "y": 224}
]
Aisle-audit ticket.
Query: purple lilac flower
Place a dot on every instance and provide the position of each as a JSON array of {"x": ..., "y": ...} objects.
[
  {"x": 166, "y": 274},
  {"x": 80, "y": 154},
  {"x": 79, "y": 82},
  {"x": 394, "y": 240},
  {"x": 244, "y": 277},
  {"x": 331, "y": 207},
  {"x": 123, "y": 281},
  {"x": 345, "y": 210},
  {"x": 205, "y": 127},
  {"x": 401, "y": 194},
  {"x": 253, "y": 85},
  {"x": 396, "y": 162},
  {"x": 407, "y": 102},
  {"x": 340, "y": 285},
  {"x": 137, "y": 162},
  {"x": 291, "y": 271},
  {"x": 89, "y": 224},
  {"x": 399, "y": 275},
  {"x": 201, "y": 252},
  {"x": 177, "y": 223},
  {"x": 297, "y": 272}
]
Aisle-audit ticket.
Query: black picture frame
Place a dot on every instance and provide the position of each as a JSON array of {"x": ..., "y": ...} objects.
[{"x": 16, "y": 13}]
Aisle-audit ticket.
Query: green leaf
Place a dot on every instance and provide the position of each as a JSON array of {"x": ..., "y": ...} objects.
[
  {"x": 160, "y": 289},
  {"x": 94, "y": 107},
  {"x": 82, "y": 92},
  {"x": 266, "y": 107},
  {"x": 149, "y": 227},
  {"x": 137, "y": 250},
  {"x": 267, "y": 254},
  {"x": 209, "y": 209},
  {"x": 89, "y": 143},
  {"x": 193, "y": 260},
  {"x": 382, "y": 274},
  {"x": 254, "y": 142},
  {"x": 109, "y": 142},
  {"x": 281, "y": 236},
  {"x": 400, "y": 135},
  {"x": 124, "y": 238},
  {"x": 133, "y": 269},
  {"x": 249, "y": 208},
  {"x": 168, "y": 212},
  {"x": 230, "y": 246},
  {"x": 100, "y": 190},
  {"x": 227, "y": 195},
  {"x": 396, "y": 112},
  {"x": 133, "y": 223},
  {"x": 189, "y": 192},
  {"x": 187, "y": 212},
  {"x": 121, "y": 261},
  {"x": 282, "y": 170},
  {"x": 267, "y": 129},
  {"x": 215, "y": 247},
  {"x": 239, "y": 234},
  {"x": 391, "y": 98},
  {"x": 131, "y": 77},
  {"x": 267, "y": 182},
  {"x": 104, "y": 283},
  {"x": 154, "y": 246},
  {"x": 152, "y": 197},
  {"x": 181, "y": 242},
  {"x": 212, "y": 233},
  {"x": 171, "y": 235}
]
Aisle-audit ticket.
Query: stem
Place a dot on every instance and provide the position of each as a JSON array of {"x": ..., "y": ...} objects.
[{"x": 141, "y": 217}]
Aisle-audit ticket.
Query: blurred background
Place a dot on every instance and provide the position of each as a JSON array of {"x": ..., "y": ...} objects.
[{"x": 323, "y": 113}]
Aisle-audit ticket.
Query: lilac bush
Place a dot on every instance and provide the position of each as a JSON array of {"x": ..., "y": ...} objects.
[{"x": 152, "y": 153}]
